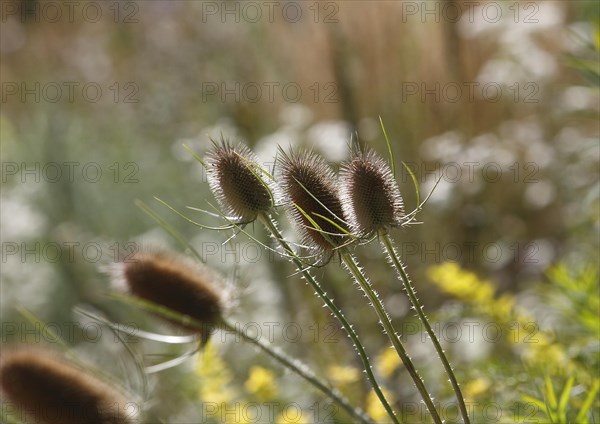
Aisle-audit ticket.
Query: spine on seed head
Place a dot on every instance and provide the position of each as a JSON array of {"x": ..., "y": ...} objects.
[
  {"x": 310, "y": 187},
  {"x": 371, "y": 197},
  {"x": 176, "y": 284},
  {"x": 237, "y": 182}
]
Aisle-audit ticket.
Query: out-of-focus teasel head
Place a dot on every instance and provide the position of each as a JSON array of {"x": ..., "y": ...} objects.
[
  {"x": 310, "y": 187},
  {"x": 239, "y": 184},
  {"x": 370, "y": 194},
  {"x": 54, "y": 391},
  {"x": 176, "y": 284}
]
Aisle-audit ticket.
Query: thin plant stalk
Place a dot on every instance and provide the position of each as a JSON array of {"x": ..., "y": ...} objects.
[
  {"x": 271, "y": 227},
  {"x": 274, "y": 352},
  {"x": 300, "y": 369},
  {"x": 355, "y": 270},
  {"x": 397, "y": 264},
  {"x": 277, "y": 354}
]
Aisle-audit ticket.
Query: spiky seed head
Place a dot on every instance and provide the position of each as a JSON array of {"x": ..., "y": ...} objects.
[
  {"x": 175, "y": 283},
  {"x": 370, "y": 194},
  {"x": 55, "y": 392},
  {"x": 309, "y": 183},
  {"x": 237, "y": 182}
]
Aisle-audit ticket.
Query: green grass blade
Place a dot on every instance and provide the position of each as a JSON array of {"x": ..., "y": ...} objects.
[
  {"x": 541, "y": 405},
  {"x": 389, "y": 146},
  {"x": 191, "y": 221},
  {"x": 587, "y": 403},
  {"x": 42, "y": 327},
  {"x": 198, "y": 158},
  {"x": 415, "y": 183},
  {"x": 169, "y": 229},
  {"x": 157, "y": 309},
  {"x": 343, "y": 230},
  {"x": 564, "y": 399},
  {"x": 551, "y": 394}
]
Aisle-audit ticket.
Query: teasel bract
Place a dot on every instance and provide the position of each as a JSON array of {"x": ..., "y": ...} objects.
[
  {"x": 310, "y": 188},
  {"x": 237, "y": 182},
  {"x": 177, "y": 284},
  {"x": 370, "y": 194},
  {"x": 56, "y": 392}
]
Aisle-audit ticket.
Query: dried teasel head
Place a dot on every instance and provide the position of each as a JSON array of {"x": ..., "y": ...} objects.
[
  {"x": 56, "y": 392},
  {"x": 176, "y": 284},
  {"x": 371, "y": 197},
  {"x": 309, "y": 185},
  {"x": 237, "y": 182}
]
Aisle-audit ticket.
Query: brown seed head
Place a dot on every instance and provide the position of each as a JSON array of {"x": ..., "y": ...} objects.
[
  {"x": 174, "y": 283},
  {"x": 57, "y": 393},
  {"x": 309, "y": 183},
  {"x": 237, "y": 182},
  {"x": 372, "y": 199}
]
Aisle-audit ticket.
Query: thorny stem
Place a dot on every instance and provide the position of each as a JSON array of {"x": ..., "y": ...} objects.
[
  {"x": 301, "y": 369},
  {"x": 397, "y": 264},
  {"x": 274, "y": 352},
  {"x": 279, "y": 355},
  {"x": 271, "y": 227},
  {"x": 354, "y": 268}
]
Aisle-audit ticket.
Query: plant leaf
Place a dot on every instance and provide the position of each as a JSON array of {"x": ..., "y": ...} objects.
[
  {"x": 587, "y": 403},
  {"x": 389, "y": 146}
]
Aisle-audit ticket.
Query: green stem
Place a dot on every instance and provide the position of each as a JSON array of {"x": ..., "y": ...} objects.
[
  {"x": 384, "y": 318},
  {"x": 271, "y": 227},
  {"x": 397, "y": 264},
  {"x": 301, "y": 369}
]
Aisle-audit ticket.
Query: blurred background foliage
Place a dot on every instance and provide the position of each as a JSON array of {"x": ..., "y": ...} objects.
[{"x": 517, "y": 249}]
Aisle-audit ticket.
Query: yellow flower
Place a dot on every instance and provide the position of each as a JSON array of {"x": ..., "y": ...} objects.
[
  {"x": 476, "y": 387},
  {"x": 341, "y": 375},
  {"x": 462, "y": 284},
  {"x": 535, "y": 345},
  {"x": 374, "y": 407},
  {"x": 388, "y": 361},
  {"x": 261, "y": 383},
  {"x": 214, "y": 377},
  {"x": 504, "y": 307}
]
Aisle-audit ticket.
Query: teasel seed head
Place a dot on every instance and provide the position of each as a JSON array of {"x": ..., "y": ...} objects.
[
  {"x": 55, "y": 392},
  {"x": 176, "y": 284},
  {"x": 371, "y": 197},
  {"x": 309, "y": 184},
  {"x": 237, "y": 182}
]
